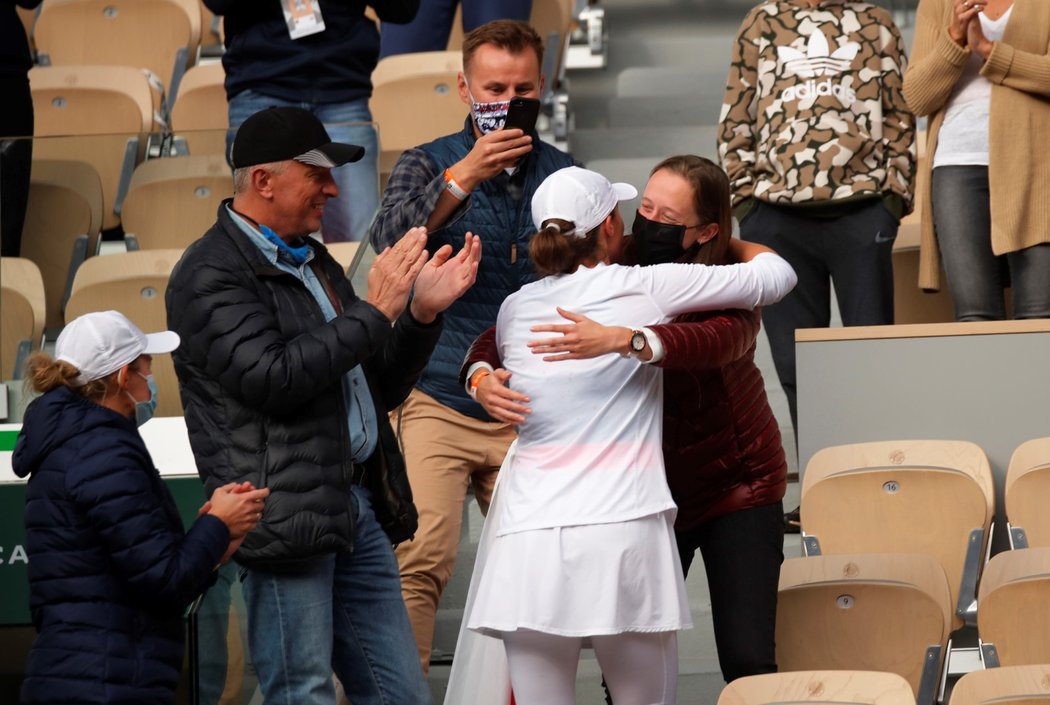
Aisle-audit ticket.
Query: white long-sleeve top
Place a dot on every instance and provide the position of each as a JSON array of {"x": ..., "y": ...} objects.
[{"x": 590, "y": 452}]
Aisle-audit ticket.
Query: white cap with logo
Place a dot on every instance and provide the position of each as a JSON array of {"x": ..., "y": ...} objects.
[
  {"x": 584, "y": 198},
  {"x": 99, "y": 344}
]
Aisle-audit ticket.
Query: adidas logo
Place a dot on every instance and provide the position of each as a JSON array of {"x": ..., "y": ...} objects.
[{"x": 818, "y": 60}]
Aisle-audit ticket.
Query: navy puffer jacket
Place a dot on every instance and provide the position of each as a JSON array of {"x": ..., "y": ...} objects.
[{"x": 110, "y": 569}]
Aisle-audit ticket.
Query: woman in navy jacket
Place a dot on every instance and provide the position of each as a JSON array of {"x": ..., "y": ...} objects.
[{"x": 111, "y": 570}]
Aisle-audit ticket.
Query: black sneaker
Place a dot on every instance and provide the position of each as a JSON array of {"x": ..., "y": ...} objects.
[{"x": 793, "y": 522}]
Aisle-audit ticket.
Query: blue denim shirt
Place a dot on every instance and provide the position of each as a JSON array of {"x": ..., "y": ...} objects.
[{"x": 361, "y": 413}]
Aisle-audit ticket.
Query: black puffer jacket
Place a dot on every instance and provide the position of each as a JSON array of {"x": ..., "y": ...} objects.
[{"x": 260, "y": 376}]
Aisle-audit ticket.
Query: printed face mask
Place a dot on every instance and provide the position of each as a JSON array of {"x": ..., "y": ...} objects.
[
  {"x": 489, "y": 117},
  {"x": 657, "y": 243},
  {"x": 144, "y": 410}
]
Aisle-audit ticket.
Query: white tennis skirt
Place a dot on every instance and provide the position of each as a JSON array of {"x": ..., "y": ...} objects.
[{"x": 583, "y": 580}]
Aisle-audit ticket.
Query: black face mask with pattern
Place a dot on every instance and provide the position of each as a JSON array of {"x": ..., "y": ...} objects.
[{"x": 660, "y": 243}]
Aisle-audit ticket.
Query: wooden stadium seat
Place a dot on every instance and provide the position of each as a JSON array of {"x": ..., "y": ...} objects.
[
  {"x": 172, "y": 201},
  {"x": 932, "y": 497},
  {"x": 21, "y": 314},
  {"x": 1013, "y": 613},
  {"x": 200, "y": 116},
  {"x": 95, "y": 114},
  {"x": 145, "y": 34},
  {"x": 830, "y": 687},
  {"x": 870, "y": 612},
  {"x": 134, "y": 284},
  {"x": 210, "y": 26},
  {"x": 343, "y": 252},
  {"x": 63, "y": 219},
  {"x": 1027, "y": 493},
  {"x": 1008, "y": 685},
  {"x": 426, "y": 81}
]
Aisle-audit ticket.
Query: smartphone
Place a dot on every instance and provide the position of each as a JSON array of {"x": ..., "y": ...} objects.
[{"x": 522, "y": 114}]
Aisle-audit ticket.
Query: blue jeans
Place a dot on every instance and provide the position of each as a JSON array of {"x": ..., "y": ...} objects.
[
  {"x": 976, "y": 276},
  {"x": 348, "y": 216},
  {"x": 431, "y": 28},
  {"x": 344, "y": 613}
]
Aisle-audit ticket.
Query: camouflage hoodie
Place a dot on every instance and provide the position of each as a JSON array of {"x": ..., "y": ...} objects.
[{"x": 813, "y": 106}]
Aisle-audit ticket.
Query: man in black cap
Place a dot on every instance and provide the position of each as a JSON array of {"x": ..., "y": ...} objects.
[{"x": 286, "y": 378}]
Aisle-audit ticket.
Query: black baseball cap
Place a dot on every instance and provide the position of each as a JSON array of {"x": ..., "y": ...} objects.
[{"x": 279, "y": 134}]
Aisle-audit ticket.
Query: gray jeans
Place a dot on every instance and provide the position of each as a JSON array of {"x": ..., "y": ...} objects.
[{"x": 976, "y": 276}]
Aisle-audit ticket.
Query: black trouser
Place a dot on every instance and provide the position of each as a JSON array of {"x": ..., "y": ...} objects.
[
  {"x": 854, "y": 250},
  {"x": 742, "y": 553},
  {"x": 16, "y": 159}
]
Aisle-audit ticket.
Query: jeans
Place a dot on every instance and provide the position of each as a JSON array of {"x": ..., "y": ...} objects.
[
  {"x": 348, "y": 216},
  {"x": 976, "y": 276},
  {"x": 854, "y": 250},
  {"x": 343, "y": 613},
  {"x": 431, "y": 28},
  {"x": 742, "y": 553}
]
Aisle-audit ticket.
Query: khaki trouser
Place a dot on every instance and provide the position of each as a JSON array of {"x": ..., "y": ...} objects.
[{"x": 444, "y": 451}]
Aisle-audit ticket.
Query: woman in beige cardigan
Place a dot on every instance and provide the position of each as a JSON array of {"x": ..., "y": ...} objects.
[{"x": 980, "y": 70}]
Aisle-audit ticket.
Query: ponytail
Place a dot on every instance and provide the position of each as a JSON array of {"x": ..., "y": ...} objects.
[
  {"x": 44, "y": 373},
  {"x": 555, "y": 249}
]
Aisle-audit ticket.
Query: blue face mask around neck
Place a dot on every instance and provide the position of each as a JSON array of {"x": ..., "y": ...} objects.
[{"x": 298, "y": 255}]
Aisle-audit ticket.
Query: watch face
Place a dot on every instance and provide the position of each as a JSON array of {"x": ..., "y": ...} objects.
[{"x": 638, "y": 341}]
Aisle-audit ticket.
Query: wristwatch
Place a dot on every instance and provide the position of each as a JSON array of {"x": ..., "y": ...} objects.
[{"x": 638, "y": 343}]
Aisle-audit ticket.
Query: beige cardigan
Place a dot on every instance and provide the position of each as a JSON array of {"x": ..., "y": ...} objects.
[{"x": 1019, "y": 122}]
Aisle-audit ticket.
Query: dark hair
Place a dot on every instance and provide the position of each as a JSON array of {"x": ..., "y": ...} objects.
[
  {"x": 555, "y": 250},
  {"x": 513, "y": 36},
  {"x": 710, "y": 200}
]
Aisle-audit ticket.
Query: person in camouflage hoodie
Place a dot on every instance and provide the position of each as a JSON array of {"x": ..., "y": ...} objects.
[{"x": 819, "y": 146}]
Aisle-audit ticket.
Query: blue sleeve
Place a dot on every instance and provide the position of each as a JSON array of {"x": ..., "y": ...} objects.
[{"x": 120, "y": 498}]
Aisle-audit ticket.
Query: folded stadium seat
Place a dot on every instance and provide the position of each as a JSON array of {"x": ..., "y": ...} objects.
[
  {"x": 211, "y": 27},
  {"x": 828, "y": 687},
  {"x": 172, "y": 201},
  {"x": 1027, "y": 492},
  {"x": 1013, "y": 615},
  {"x": 932, "y": 497},
  {"x": 134, "y": 284},
  {"x": 343, "y": 252},
  {"x": 95, "y": 114},
  {"x": 1009, "y": 685},
  {"x": 200, "y": 117},
  {"x": 21, "y": 314},
  {"x": 427, "y": 81},
  {"x": 159, "y": 35},
  {"x": 869, "y": 612},
  {"x": 63, "y": 220}
]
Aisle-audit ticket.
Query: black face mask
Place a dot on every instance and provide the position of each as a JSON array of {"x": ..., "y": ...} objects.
[{"x": 659, "y": 243}]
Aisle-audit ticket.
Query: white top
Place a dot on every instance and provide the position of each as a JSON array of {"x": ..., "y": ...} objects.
[
  {"x": 590, "y": 452},
  {"x": 963, "y": 139}
]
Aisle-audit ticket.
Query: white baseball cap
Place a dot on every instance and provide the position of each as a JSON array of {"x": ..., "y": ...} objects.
[
  {"x": 580, "y": 196},
  {"x": 99, "y": 344}
]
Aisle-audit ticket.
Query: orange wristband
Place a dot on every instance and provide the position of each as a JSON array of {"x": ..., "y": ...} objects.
[
  {"x": 475, "y": 379},
  {"x": 453, "y": 187}
]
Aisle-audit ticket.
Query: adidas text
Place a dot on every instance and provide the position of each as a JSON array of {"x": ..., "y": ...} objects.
[{"x": 811, "y": 88}]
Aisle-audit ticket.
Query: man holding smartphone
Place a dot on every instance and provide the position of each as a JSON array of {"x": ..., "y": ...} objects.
[{"x": 478, "y": 180}]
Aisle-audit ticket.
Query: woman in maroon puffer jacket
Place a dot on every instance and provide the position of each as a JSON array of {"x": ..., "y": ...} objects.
[{"x": 725, "y": 463}]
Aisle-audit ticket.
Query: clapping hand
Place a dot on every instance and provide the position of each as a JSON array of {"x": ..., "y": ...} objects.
[
  {"x": 445, "y": 278},
  {"x": 394, "y": 272}
]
